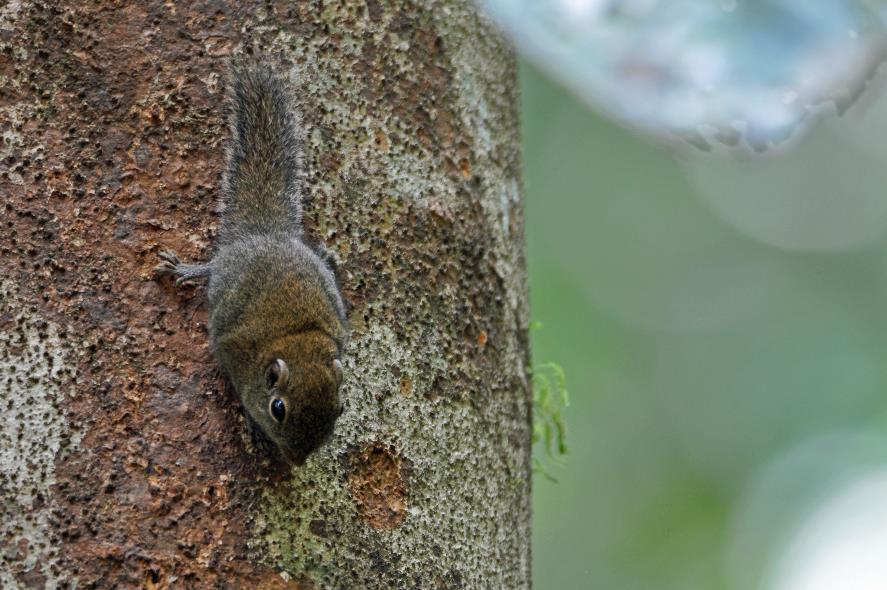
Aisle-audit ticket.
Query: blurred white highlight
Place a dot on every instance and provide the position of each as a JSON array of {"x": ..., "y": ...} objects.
[
  {"x": 843, "y": 545},
  {"x": 814, "y": 518},
  {"x": 584, "y": 8}
]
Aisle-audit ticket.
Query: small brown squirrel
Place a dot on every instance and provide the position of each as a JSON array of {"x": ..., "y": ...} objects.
[{"x": 278, "y": 323}]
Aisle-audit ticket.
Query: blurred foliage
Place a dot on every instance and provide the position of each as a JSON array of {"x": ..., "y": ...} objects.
[{"x": 704, "y": 345}]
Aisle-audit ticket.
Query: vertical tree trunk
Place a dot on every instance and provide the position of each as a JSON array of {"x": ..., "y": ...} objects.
[{"x": 123, "y": 459}]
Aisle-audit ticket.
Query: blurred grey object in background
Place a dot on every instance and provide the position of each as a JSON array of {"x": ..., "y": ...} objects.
[
  {"x": 722, "y": 321},
  {"x": 735, "y": 74}
]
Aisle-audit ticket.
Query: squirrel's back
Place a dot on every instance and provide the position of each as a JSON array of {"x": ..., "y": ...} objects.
[{"x": 261, "y": 191}]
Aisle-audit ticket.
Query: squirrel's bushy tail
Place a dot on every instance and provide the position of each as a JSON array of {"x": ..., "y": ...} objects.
[{"x": 261, "y": 188}]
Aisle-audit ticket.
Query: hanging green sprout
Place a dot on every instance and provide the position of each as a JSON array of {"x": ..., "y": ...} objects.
[{"x": 550, "y": 399}]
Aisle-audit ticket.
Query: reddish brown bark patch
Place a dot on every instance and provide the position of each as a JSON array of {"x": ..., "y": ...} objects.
[
  {"x": 376, "y": 476},
  {"x": 116, "y": 149}
]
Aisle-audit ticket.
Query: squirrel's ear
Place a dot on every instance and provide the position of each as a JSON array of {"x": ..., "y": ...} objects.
[
  {"x": 337, "y": 371},
  {"x": 276, "y": 373}
]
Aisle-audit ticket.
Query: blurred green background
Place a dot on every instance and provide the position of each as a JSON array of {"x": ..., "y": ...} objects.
[{"x": 722, "y": 327}]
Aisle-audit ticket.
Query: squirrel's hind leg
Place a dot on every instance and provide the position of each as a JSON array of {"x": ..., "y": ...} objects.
[{"x": 171, "y": 265}]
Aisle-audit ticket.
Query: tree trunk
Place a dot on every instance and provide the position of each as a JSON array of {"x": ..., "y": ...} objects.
[{"x": 123, "y": 455}]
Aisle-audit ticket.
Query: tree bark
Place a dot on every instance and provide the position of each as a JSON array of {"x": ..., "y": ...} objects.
[{"x": 123, "y": 455}]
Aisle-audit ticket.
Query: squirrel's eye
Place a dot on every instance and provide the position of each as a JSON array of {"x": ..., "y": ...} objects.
[
  {"x": 277, "y": 409},
  {"x": 277, "y": 372}
]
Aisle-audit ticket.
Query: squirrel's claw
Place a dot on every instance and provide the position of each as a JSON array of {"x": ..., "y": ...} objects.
[
  {"x": 170, "y": 265},
  {"x": 169, "y": 257},
  {"x": 165, "y": 268}
]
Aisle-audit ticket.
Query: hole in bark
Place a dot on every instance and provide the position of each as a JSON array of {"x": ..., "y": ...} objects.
[{"x": 376, "y": 477}]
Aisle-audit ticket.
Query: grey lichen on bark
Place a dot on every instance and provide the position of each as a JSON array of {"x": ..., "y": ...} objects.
[
  {"x": 113, "y": 134},
  {"x": 426, "y": 483},
  {"x": 36, "y": 359}
]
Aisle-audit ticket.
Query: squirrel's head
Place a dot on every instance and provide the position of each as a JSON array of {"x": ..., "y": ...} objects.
[{"x": 296, "y": 399}]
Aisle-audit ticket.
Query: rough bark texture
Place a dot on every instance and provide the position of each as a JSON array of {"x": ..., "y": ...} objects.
[{"x": 123, "y": 459}]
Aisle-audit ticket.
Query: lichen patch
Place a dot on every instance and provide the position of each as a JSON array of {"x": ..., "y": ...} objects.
[{"x": 34, "y": 430}]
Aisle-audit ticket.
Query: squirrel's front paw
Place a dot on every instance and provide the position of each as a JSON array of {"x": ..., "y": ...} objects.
[{"x": 170, "y": 265}]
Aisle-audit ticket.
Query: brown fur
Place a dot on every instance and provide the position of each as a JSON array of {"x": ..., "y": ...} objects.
[
  {"x": 273, "y": 298},
  {"x": 293, "y": 322}
]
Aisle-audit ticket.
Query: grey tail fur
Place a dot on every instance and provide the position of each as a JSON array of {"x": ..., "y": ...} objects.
[{"x": 261, "y": 188}]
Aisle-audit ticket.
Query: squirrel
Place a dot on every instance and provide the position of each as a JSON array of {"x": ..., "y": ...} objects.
[{"x": 278, "y": 324}]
